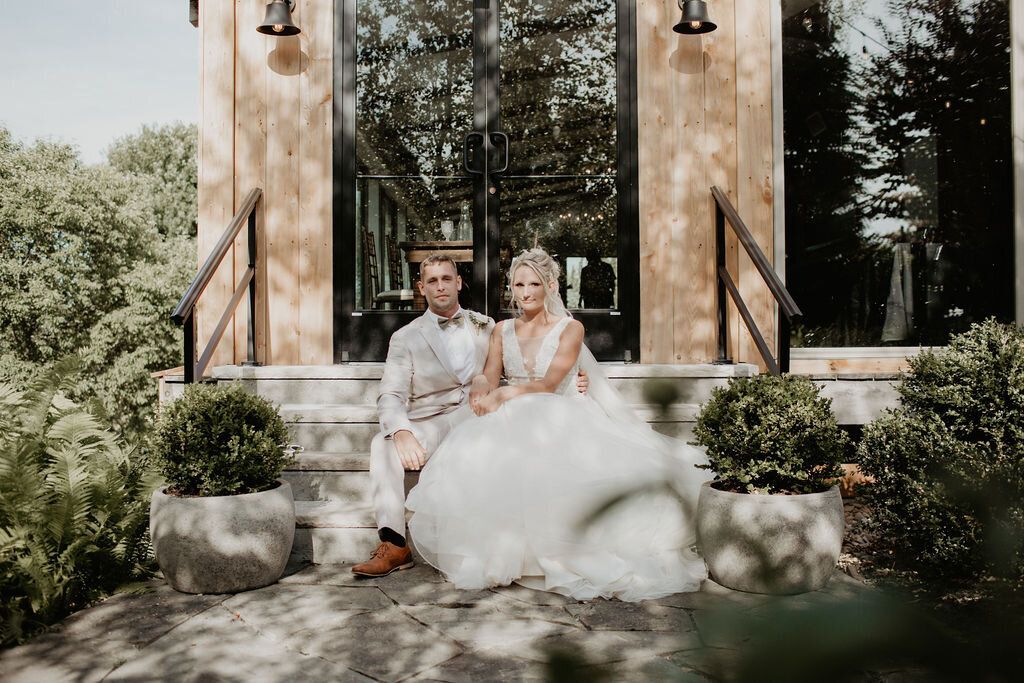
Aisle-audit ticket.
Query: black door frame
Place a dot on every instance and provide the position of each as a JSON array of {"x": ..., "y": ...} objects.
[{"x": 361, "y": 335}]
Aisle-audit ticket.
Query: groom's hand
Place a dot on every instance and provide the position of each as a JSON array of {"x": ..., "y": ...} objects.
[
  {"x": 410, "y": 451},
  {"x": 582, "y": 382}
]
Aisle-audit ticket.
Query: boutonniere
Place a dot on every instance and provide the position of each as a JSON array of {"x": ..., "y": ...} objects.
[{"x": 481, "y": 321}]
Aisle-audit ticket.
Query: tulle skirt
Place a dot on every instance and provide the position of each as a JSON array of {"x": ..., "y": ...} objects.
[{"x": 514, "y": 496}]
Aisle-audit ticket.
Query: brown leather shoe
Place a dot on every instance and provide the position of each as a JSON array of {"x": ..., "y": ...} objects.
[{"x": 385, "y": 559}]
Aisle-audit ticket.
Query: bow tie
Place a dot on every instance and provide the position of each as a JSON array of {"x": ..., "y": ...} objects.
[{"x": 443, "y": 322}]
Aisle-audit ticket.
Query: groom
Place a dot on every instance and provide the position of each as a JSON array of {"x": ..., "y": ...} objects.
[{"x": 423, "y": 395}]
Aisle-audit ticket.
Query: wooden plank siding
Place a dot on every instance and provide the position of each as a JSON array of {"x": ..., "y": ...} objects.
[
  {"x": 704, "y": 111},
  {"x": 704, "y": 117},
  {"x": 720, "y": 149},
  {"x": 755, "y": 177},
  {"x": 266, "y": 122},
  {"x": 250, "y": 115},
  {"x": 315, "y": 191},
  {"x": 216, "y": 156}
]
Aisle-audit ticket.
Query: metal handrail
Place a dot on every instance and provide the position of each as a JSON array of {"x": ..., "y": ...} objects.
[
  {"x": 788, "y": 310},
  {"x": 184, "y": 313}
]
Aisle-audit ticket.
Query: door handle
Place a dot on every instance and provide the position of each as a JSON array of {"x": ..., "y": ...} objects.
[
  {"x": 494, "y": 141},
  {"x": 471, "y": 135}
]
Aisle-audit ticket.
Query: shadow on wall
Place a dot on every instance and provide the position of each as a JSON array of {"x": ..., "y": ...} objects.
[{"x": 287, "y": 58}]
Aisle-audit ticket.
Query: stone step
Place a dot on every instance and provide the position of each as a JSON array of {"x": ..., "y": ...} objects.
[
  {"x": 332, "y": 532},
  {"x": 857, "y": 398},
  {"x": 348, "y": 488},
  {"x": 359, "y": 383},
  {"x": 330, "y": 432},
  {"x": 357, "y": 461},
  {"x": 350, "y": 545},
  {"x": 338, "y": 437},
  {"x": 333, "y": 514},
  {"x": 352, "y": 414},
  {"x": 309, "y": 384},
  {"x": 328, "y": 412}
]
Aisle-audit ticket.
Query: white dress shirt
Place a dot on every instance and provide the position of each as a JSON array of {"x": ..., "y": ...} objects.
[{"x": 459, "y": 343}]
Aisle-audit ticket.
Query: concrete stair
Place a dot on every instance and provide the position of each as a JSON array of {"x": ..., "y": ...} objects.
[{"x": 333, "y": 416}]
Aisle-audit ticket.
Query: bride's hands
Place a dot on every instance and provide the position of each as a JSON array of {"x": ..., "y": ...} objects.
[
  {"x": 491, "y": 402},
  {"x": 477, "y": 391}
]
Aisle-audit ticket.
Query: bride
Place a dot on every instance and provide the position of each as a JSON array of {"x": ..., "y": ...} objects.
[{"x": 511, "y": 495}]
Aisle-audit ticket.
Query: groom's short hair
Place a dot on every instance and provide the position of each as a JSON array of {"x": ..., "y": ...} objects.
[{"x": 436, "y": 258}]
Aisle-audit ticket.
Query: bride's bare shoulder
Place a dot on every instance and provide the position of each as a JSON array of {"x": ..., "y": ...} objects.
[
  {"x": 573, "y": 332},
  {"x": 498, "y": 327}
]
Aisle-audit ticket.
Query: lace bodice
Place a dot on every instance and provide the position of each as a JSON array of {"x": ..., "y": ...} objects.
[{"x": 527, "y": 360}]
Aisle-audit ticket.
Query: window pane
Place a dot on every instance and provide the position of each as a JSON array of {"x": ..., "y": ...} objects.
[
  {"x": 558, "y": 86},
  {"x": 414, "y": 86},
  {"x": 899, "y": 198},
  {"x": 414, "y": 103}
]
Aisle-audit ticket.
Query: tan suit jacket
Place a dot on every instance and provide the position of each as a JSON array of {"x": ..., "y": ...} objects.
[{"x": 418, "y": 380}]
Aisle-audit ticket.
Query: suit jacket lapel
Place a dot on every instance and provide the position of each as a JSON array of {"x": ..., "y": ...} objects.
[
  {"x": 433, "y": 338},
  {"x": 482, "y": 345}
]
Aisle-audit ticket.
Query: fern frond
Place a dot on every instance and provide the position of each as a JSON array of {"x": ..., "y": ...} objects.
[{"x": 73, "y": 505}]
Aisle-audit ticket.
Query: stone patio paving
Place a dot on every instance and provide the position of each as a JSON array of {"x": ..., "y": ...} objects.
[{"x": 320, "y": 623}]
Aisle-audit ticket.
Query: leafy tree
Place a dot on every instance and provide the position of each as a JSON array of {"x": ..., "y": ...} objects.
[
  {"x": 70, "y": 232},
  {"x": 165, "y": 158},
  {"x": 97, "y": 257},
  {"x": 138, "y": 337}
]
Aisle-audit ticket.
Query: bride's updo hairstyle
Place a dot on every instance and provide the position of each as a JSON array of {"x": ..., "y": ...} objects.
[{"x": 548, "y": 270}]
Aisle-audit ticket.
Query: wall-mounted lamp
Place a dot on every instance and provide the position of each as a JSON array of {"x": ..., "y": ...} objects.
[
  {"x": 695, "y": 18},
  {"x": 278, "y": 21}
]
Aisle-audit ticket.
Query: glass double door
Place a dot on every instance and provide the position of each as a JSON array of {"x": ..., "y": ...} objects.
[{"x": 480, "y": 128}]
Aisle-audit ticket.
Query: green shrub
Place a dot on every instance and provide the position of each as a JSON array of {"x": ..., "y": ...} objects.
[
  {"x": 74, "y": 506},
  {"x": 769, "y": 434},
  {"x": 948, "y": 463},
  {"x": 220, "y": 440}
]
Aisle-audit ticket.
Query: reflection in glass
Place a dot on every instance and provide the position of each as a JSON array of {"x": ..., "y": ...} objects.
[
  {"x": 575, "y": 220},
  {"x": 558, "y": 86},
  {"x": 898, "y": 169},
  {"x": 558, "y": 106},
  {"x": 414, "y": 99},
  {"x": 396, "y": 217}
]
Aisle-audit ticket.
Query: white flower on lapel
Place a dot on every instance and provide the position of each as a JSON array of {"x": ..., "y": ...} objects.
[{"x": 481, "y": 321}]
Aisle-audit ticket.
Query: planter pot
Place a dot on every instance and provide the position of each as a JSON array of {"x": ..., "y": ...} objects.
[
  {"x": 770, "y": 544},
  {"x": 223, "y": 544}
]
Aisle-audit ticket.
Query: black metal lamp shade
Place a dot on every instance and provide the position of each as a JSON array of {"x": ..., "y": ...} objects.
[
  {"x": 278, "y": 21},
  {"x": 695, "y": 18}
]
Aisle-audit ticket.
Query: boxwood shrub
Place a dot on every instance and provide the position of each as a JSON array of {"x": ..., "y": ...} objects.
[
  {"x": 769, "y": 434},
  {"x": 948, "y": 463},
  {"x": 220, "y": 440}
]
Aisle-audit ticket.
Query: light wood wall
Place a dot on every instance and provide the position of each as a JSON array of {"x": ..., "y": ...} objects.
[
  {"x": 266, "y": 122},
  {"x": 704, "y": 112},
  {"x": 705, "y": 118}
]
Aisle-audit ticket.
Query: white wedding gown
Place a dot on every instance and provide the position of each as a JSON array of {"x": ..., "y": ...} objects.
[{"x": 507, "y": 496}]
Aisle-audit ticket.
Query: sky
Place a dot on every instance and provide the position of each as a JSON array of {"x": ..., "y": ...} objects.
[{"x": 87, "y": 73}]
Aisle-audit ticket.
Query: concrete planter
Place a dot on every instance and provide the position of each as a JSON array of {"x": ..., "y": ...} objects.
[
  {"x": 223, "y": 544},
  {"x": 770, "y": 544}
]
